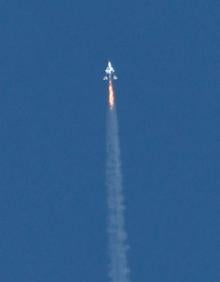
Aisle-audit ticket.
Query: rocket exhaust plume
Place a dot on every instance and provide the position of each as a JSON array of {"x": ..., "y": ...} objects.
[
  {"x": 119, "y": 271},
  {"x": 111, "y": 96}
]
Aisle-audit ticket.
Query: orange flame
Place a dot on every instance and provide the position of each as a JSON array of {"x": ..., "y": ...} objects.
[{"x": 111, "y": 96}]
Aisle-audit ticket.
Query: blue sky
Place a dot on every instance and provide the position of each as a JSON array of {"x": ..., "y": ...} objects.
[{"x": 53, "y": 124}]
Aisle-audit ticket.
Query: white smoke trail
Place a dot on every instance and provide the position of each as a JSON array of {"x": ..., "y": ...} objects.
[{"x": 119, "y": 271}]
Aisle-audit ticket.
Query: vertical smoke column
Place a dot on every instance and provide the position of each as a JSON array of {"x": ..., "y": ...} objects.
[{"x": 119, "y": 271}]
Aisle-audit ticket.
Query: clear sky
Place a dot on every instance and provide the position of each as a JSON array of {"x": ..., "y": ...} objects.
[{"x": 52, "y": 138}]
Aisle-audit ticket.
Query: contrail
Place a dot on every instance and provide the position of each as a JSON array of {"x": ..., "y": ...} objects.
[{"x": 119, "y": 270}]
